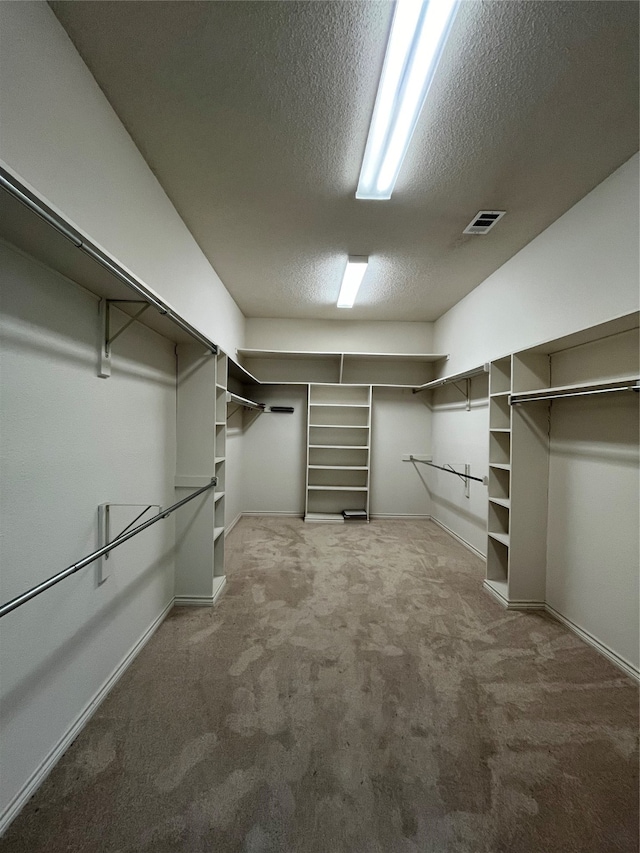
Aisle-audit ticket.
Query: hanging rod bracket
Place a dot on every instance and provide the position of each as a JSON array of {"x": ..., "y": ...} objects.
[
  {"x": 106, "y": 340},
  {"x": 104, "y": 532}
]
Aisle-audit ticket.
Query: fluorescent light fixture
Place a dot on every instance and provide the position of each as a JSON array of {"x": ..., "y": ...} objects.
[
  {"x": 351, "y": 280},
  {"x": 418, "y": 35}
]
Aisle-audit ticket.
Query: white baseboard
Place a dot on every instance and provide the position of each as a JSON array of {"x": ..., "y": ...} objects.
[
  {"x": 229, "y": 527},
  {"x": 41, "y": 772},
  {"x": 254, "y": 514},
  {"x": 627, "y": 667},
  {"x": 512, "y": 604},
  {"x": 462, "y": 541},
  {"x": 202, "y": 600},
  {"x": 374, "y": 516}
]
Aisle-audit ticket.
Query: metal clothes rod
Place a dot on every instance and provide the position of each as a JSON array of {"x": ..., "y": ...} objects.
[
  {"x": 452, "y": 379},
  {"x": 75, "y": 567},
  {"x": 535, "y": 398},
  {"x": 14, "y": 188},
  {"x": 448, "y": 470}
]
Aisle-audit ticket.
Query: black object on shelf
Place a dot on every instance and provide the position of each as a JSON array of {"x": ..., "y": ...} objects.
[
  {"x": 354, "y": 515},
  {"x": 287, "y": 409}
]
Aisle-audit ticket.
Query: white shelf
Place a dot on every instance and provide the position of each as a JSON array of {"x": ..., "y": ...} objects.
[
  {"x": 500, "y": 537},
  {"x": 500, "y": 430},
  {"x": 219, "y": 459},
  {"x": 505, "y": 502},
  {"x": 340, "y": 405},
  {"x": 325, "y": 517},
  {"x": 333, "y": 354},
  {"x": 501, "y": 394},
  {"x": 221, "y": 387},
  {"x": 339, "y": 446},
  {"x": 621, "y": 382},
  {"x": 217, "y": 496},
  {"x": 338, "y": 426},
  {"x": 339, "y": 467},
  {"x": 500, "y": 466},
  {"x": 338, "y": 488},
  {"x": 217, "y": 532}
]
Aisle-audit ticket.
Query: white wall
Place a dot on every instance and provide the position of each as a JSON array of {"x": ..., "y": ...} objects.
[
  {"x": 580, "y": 271},
  {"x": 339, "y": 335},
  {"x": 461, "y": 437},
  {"x": 592, "y": 540},
  {"x": 71, "y": 441},
  {"x": 274, "y": 453},
  {"x": 59, "y": 135},
  {"x": 400, "y": 425}
]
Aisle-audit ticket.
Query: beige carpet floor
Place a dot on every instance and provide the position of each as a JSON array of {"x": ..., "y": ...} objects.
[{"x": 354, "y": 691}]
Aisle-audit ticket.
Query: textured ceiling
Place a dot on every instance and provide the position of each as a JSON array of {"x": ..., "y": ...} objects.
[{"x": 254, "y": 117}]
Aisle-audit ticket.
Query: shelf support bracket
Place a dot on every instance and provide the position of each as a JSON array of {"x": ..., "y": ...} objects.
[
  {"x": 466, "y": 393},
  {"x": 104, "y": 369}
]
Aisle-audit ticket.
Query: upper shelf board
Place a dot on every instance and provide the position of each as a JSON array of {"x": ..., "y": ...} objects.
[{"x": 364, "y": 356}]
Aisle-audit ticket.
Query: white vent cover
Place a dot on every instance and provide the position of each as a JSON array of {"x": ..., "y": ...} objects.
[{"x": 483, "y": 221}]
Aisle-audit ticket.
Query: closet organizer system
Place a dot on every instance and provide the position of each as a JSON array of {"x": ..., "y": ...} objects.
[
  {"x": 597, "y": 361},
  {"x": 340, "y": 390},
  {"x": 27, "y": 223}
]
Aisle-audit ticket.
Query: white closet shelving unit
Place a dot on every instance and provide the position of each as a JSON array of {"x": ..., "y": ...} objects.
[
  {"x": 338, "y": 450},
  {"x": 522, "y": 386},
  {"x": 220, "y": 463}
]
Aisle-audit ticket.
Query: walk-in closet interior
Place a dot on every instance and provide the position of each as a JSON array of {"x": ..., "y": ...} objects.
[{"x": 184, "y": 409}]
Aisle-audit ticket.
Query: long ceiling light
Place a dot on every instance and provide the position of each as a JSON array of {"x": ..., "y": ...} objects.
[
  {"x": 352, "y": 279},
  {"x": 418, "y": 35}
]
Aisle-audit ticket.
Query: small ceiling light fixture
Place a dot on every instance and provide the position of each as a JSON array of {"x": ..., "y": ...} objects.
[
  {"x": 418, "y": 34},
  {"x": 352, "y": 279}
]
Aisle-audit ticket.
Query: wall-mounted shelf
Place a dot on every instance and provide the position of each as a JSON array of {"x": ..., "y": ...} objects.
[
  {"x": 622, "y": 383},
  {"x": 343, "y": 368}
]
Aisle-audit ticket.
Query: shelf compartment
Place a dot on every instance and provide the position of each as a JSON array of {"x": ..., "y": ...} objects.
[
  {"x": 502, "y": 538},
  {"x": 498, "y": 520},
  {"x": 342, "y": 395},
  {"x": 499, "y": 412},
  {"x": 337, "y": 477},
  {"x": 338, "y": 456},
  {"x": 325, "y": 501},
  {"x": 499, "y": 483},
  {"x": 499, "y": 448},
  {"x": 497, "y": 560},
  {"x": 328, "y": 436},
  {"x": 500, "y": 376},
  {"x": 342, "y": 415}
]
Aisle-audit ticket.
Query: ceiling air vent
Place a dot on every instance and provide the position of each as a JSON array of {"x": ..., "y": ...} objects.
[{"x": 483, "y": 221}]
